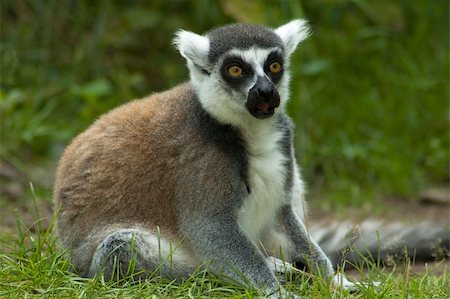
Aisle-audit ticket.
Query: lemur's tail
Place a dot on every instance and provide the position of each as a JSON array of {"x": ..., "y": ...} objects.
[{"x": 381, "y": 241}]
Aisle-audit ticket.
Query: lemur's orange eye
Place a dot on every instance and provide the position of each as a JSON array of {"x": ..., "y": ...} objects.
[
  {"x": 275, "y": 67},
  {"x": 235, "y": 71}
]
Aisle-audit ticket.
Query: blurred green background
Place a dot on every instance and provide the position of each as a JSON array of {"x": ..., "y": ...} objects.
[{"x": 370, "y": 87}]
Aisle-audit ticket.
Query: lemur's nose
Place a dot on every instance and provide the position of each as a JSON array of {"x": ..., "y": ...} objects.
[
  {"x": 265, "y": 92},
  {"x": 265, "y": 88}
]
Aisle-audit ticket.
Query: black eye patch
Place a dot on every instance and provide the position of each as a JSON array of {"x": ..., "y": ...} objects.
[
  {"x": 231, "y": 61},
  {"x": 274, "y": 56}
]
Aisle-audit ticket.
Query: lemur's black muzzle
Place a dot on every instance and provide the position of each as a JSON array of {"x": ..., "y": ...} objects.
[{"x": 263, "y": 98}]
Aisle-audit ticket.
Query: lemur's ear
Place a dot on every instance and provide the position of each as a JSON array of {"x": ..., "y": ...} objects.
[
  {"x": 292, "y": 34},
  {"x": 193, "y": 47}
]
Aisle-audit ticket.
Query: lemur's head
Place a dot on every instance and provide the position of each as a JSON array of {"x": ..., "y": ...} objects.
[{"x": 240, "y": 71}]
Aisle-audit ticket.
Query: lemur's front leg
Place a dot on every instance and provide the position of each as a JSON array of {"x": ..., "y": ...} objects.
[
  {"x": 219, "y": 239},
  {"x": 305, "y": 250}
]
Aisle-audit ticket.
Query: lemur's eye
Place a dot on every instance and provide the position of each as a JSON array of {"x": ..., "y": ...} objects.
[
  {"x": 275, "y": 67},
  {"x": 235, "y": 71}
]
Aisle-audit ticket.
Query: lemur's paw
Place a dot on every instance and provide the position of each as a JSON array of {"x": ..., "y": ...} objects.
[
  {"x": 339, "y": 280},
  {"x": 279, "y": 266}
]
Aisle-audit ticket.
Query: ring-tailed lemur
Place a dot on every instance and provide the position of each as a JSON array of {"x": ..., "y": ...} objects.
[{"x": 202, "y": 172}]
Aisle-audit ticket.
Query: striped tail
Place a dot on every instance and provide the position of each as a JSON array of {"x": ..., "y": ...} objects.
[{"x": 381, "y": 241}]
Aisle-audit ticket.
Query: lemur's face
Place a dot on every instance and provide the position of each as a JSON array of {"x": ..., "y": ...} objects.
[
  {"x": 241, "y": 69},
  {"x": 251, "y": 77}
]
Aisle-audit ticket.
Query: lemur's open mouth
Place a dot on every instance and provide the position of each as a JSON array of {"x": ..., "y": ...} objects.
[
  {"x": 264, "y": 110},
  {"x": 261, "y": 109}
]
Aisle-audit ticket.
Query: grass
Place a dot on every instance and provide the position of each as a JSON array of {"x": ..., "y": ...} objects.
[{"x": 32, "y": 265}]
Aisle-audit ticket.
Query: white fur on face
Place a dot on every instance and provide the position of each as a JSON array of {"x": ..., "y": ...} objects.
[
  {"x": 215, "y": 96},
  {"x": 225, "y": 104}
]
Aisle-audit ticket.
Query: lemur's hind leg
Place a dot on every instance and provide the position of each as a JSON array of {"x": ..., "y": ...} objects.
[{"x": 142, "y": 253}]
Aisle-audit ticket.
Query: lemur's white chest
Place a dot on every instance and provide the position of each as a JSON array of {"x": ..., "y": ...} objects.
[{"x": 267, "y": 179}]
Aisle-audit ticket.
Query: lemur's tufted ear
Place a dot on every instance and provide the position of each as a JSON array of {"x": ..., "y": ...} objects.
[
  {"x": 193, "y": 47},
  {"x": 292, "y": 34}
]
